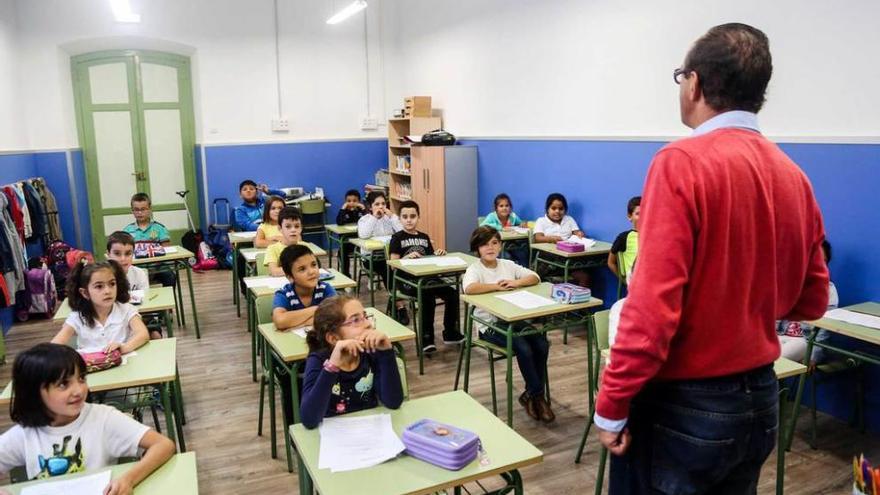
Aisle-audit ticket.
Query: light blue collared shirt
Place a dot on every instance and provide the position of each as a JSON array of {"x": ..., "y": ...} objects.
[{"x": 734, "y": 118}]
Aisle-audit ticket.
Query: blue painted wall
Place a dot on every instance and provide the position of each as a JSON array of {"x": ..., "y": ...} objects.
[
  {"x": 599, "y": 177},
  {"x": 336, "y": 166}
]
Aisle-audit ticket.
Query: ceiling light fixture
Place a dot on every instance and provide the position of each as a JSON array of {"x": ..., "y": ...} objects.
[
  {"x": 352, "y": 9},
  {"x": 122, "y": 11}
]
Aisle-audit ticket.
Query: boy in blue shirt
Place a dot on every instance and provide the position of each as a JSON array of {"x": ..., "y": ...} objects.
[
  {"x": 249, "y": 213},
  {"x": 295, "y": 304}
]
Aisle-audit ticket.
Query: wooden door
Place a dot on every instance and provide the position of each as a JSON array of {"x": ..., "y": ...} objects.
[
  {"x": 436, "y": 194},
  {"x": 419, "y": 181}
]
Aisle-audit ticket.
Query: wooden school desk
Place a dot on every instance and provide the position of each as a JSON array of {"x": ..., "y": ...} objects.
[
  {"x": 177, "y": 259},
  {"x": 265, "y": 286},
  {"x": 238, "y": 240},
  {"x": 368, "y": 251},
  {"x": 339, "y": 234},
  {"x": 155, "y": 363},
  {"x": 289, "y": 351},
  {"x": 505, "y": 449},
  {"x": 156, "y": 300},
  {"x": 177, "y": 476},
  {"x": 421, "y": 277},
  {"x": 858, "y": 332},
  {"x": 546, "y": 253},
  {"x": 511, "y": 237},
  {"x": 552, "y": 317}
]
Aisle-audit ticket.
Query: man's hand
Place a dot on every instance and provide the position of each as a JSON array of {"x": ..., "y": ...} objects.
[{"x": 616, "y": 442}]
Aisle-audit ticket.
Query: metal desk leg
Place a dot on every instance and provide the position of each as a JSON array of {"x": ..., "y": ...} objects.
[
  {"x": 467, "y": 354},
  {"x": 235, "y": 269},
  {"x": 181, "y": 317},
  {"x": 177, "y": 412},
  {"x": 251, "y": 305},
  {"x": 509, "y": 375},
  {"x": 789, "y": 435},
  {"x": 466, "y": 344},
  {"x": 169, "y": 322},
  {"x": 294, "y": 397},
  {"x": 192, "y": 299},
  {"x": 169, "y": 413}
]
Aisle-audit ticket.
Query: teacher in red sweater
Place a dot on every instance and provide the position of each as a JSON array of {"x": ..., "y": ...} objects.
[{"x": 730, "y": 241}]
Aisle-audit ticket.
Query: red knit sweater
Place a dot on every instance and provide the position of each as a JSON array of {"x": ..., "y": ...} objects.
[{"x": 729, "y": 241}]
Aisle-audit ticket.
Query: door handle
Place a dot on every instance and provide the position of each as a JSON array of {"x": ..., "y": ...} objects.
[
  {"x": 428, "y": 173},
  {"x": 139, "y": 176}
]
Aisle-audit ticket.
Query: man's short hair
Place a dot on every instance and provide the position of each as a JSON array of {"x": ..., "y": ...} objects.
[
  {"x": 734, "y": 64},
  {"x": 289, "y": 213},
  {"x": 409, "y": 204},
  {"x": 141, "y": 197},
  {"x": 119, "y": 237},
  {"x": 633, "y": 203},
  {"x": 246, "y": 182}
]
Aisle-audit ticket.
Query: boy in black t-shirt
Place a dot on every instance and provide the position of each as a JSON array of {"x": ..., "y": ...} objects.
[
  {"x": 622, "y": 257},
  {"x": 352, "y": 211},
  {"x": 410, "y": 243}
]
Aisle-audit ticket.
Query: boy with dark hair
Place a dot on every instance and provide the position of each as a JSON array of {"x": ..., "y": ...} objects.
[
  {"x": 249, "y": 213},
  {"x": 144, "y": 228},
  {"x": 622, "y": 257},
  {"x": 410, "y": 243},
  {"x": 352, "y": 211},
  {"x": 120, "y": 248}
]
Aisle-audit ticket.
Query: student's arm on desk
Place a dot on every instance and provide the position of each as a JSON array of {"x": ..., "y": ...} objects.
[
  {"x": 612, "y": 264},
  {"x": 243, "y": 222},
  {"x": 480, "y": 288},
  {"x": 541, "y": 237},
  {"x": 157, "y": 450},
  {"x": 366, "y": 225},
  {"x": 139, "y": 335},
  {"x": 284, "y": 319},
  {"x": 64, "y": 335},
  {"x": 317, "y": 388},
  {"x": 275, "y": 269}
]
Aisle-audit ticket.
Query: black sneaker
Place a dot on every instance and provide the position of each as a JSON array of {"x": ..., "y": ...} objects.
[
  {"x": 453, "y": 338},
  {"x": 429, "y": 349},
  {"x": 403, "y": 316}
]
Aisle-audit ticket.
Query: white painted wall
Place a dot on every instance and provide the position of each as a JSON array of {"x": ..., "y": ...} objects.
[
  {"x": 12, "y": 136},
  {"x": 232, "y": 47},
  {"x": 604, "y": 67}
]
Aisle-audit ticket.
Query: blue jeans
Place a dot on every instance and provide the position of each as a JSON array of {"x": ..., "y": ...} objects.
[
  {"x": 699, "y": 436},
  {"x": 531, "y": 355}
]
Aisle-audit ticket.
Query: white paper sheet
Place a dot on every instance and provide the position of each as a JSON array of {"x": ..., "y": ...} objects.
[
  {"x": 170, "y": 249},
  {"x": 246, "y": 235},
  {"x": 136, "y": 296},
  {"x": 521, "y": 230},
  {"x": 270, "y": 282},
  {"x": 434, "y": 261},
  {"x": 92, "y": 484},
  {"x": 349, "y": 443},
  {"x": 586, "y": 241},
  {"x": 854, "y": 318},
  {"x": 251, "y": 255},
  {"x": 526, "y": 300}
]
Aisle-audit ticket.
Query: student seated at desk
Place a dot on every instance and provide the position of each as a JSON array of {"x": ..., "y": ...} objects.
[
  {"x": 248, "y": 215},
  {"x": 145, "y": 229},
  {"x": 557, "y": 226},
  {"x": 493, "y": 274},
  {"x": 623, "y": 253},
  {"x": 291, "y": 234},
  {"x": 380, "y": 222},
  {"x": 269, "y": 231},
  {"x": 57, "y": 432},
  {"x": 503, "y": 218},
  {"x": 295, "y": 304},
  {"x": 793, "y": 334},
  {"x": 101, "y": 317},
  {"x": 120, "y": 248},
  {"x": 352, "y": 211},
  {"x": 410, "y": 243},
  {"x": 351, "y": 366}
]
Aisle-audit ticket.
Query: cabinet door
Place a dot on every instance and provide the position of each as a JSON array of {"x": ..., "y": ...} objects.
[
  {"x": 436, "y": 204},
  {"x": 419, "y": 180}
]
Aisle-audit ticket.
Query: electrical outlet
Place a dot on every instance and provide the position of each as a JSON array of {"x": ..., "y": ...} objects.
[
  {"x": 369, "y": 124},
  {"x": 281, "y": 124}
]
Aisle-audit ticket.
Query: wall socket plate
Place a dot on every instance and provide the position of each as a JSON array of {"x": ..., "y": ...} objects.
[
  {"x": 369, "y": 123},
  {"x": 281, "y": 124}
]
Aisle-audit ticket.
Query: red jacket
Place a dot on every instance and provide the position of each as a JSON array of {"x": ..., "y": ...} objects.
[{"x": 729, "y": 241}]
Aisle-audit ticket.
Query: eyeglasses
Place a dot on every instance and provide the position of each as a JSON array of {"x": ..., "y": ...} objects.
[
  {"x": 359, "y": 319},
  {"x": 679, "y": 74}
]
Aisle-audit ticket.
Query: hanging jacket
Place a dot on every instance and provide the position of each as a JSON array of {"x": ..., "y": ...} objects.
[
  {"x": 14, "y": 210},
  {"x": 25, "y": 212},
  {"x": 16, "y": 245},
  {"x": 37, "y": 211},
  {"x": 51, "y": 208}
]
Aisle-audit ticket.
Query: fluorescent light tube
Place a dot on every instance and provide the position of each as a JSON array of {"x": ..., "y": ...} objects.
[
  {"x": 122, "y": 11},
  {"x": 352, "y": 9}
]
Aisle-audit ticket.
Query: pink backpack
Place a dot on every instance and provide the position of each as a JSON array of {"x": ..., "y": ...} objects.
[{"x": 41, "y": 297}]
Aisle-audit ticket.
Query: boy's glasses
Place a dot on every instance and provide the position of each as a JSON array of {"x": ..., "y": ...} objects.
[{"x": 359, "y": 319}]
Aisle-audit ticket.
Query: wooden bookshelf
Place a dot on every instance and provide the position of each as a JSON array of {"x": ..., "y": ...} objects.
[{"x": 400, "y": 180}]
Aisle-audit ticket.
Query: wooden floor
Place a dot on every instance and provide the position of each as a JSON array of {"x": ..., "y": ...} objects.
[{"x": 222, "y": 405}]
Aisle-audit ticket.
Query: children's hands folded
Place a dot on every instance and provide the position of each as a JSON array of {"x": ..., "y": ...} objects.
[
  {"x": 507, "y": 284},
  {"x": 350, "y": 347},
  {"x": 374, "y": 340}
]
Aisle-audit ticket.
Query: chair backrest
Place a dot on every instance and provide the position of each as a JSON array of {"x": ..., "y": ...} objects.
[
  {"x": 263, "y": 306},
  {"x": 262, "y": 268},
  {"x": 600, "y": 323},
  {"x": 312, "y": 206}
]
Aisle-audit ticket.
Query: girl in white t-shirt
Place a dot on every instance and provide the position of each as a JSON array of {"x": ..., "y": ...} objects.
[
  {"x": 492, "y": 274},
  {"x": 557, "y": 226},
  {"x": 101, "y": 317},
  {"x": 58, "y": 433}
]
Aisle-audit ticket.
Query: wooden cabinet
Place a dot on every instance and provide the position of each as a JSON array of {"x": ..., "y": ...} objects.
[
  {"x": 399, "y": 157},
  {"x": 444, "y": 184}
]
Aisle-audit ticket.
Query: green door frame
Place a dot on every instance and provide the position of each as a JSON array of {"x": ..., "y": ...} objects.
[{"x": 136, "y": 106}]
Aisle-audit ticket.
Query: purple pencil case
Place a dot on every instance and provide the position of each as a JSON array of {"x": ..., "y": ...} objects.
[
  {"x": 570, "y": 247},
  {"x": 441, "y": 444}
]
